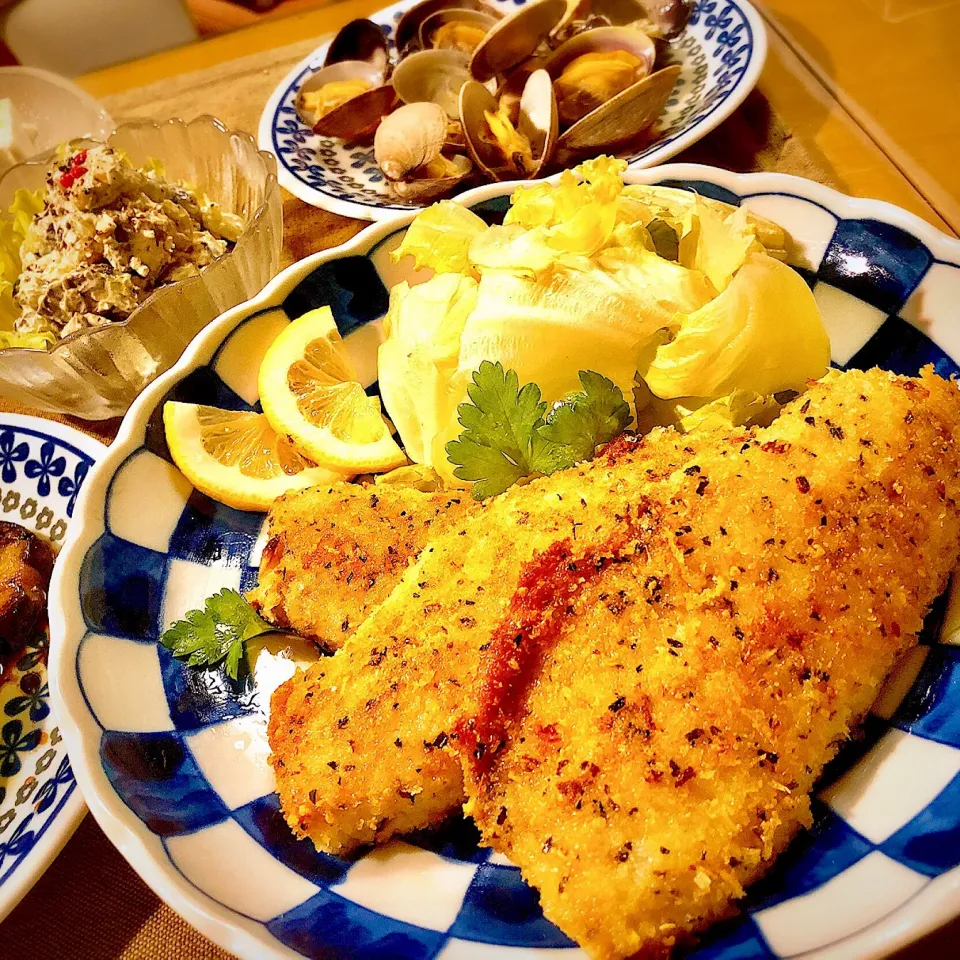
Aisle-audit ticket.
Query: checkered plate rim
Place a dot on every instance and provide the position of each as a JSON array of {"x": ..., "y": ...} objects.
[{"x": 940, "y": 899}]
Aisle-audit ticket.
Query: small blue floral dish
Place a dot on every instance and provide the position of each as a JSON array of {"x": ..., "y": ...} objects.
[
  {"x": 721, "y": 53},
  {"x": 173, "y": 761},
  {"x": 43, "y": 466}
]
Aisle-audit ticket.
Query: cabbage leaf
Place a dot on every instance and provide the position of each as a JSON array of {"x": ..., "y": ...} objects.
[
  {"x": 440, "y": 236},
  {"x": 762, "y": 334}
]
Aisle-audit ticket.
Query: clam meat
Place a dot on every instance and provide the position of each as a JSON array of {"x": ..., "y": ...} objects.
[
  {"x": 594, "y": 78},
  {"x": 504, "y": 148},
  {"x": 460, "y": 30}
]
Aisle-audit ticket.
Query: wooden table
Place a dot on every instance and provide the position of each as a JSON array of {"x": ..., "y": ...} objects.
[{"x": 828, "y": 106}]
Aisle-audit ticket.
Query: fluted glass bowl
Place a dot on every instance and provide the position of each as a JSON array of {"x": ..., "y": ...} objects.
[{"x": 95, "y": 374}]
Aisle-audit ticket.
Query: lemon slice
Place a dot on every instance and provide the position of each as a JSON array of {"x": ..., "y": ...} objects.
[
  {"x": 310, "y": 394},
  {"x": 236, "y": 457}
]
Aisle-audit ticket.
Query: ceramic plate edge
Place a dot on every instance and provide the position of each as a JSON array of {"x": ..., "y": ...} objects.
[
  {"x": 65, "y": 822},
  {"x": 122, "y": 827}
]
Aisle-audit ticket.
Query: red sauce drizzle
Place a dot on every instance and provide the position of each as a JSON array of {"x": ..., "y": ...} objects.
[{"x": 538, "y": 608}]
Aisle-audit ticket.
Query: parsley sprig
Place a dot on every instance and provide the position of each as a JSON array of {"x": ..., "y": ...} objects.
[
  {"x": 508, "y": 433},
  {"x": 217, "y": 633}
]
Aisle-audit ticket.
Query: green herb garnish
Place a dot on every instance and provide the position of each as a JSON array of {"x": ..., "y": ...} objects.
[
  {"x": 585, "y": 421},
  {"x": 216, "y": 633},
  {"x": 665, "y": 239},
  {"x": 508, "y": 434}
]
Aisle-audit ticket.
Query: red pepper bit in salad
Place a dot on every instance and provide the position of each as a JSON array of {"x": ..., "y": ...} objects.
[{"x": 75, "y": 170}]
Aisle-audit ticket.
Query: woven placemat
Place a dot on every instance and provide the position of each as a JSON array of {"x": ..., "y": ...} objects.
[{"x": 90, "y": 905}]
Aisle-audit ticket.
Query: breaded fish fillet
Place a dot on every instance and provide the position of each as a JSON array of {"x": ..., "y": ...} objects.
[
  {"x": 334, "y": 552},
  {"x": 649, "y": 730},
  {"x": 362, "y": 740},
  {"x": 358, "y": 740}
]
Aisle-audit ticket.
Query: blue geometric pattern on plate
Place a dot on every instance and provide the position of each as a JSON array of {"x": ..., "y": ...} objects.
[{"x": 356, "y": 908}]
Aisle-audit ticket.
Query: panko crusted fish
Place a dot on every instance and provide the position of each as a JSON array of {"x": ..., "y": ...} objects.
[
  {"x": 334, "y": 552},
  {"x": 637, "y": 668},
  {"x": 649, "y": 729}
]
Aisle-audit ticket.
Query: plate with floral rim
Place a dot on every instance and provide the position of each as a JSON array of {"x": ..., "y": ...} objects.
[
  {"x": 720, "y": 52},
  {"x": 43, "y": 465}
]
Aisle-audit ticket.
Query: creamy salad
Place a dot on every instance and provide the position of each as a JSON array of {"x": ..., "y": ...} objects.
[{"x": 104, "y": 235}]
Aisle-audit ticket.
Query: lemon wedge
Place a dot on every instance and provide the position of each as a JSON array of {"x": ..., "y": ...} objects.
[
  {"x": 310, "y": 394},
  {"x": 236, "y": 457}
]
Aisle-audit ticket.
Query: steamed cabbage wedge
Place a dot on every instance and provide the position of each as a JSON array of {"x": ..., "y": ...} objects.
[{"x": 679, "y": 300}]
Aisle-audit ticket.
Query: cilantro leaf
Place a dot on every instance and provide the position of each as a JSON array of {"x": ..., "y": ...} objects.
[
  {"x": 216, "y": 633},
  {"x": 500, "y": 443},
  {"x": 586, "y": 420},
  {"x": 506, "y": 436},
  {"x": 665, "y": 239}
]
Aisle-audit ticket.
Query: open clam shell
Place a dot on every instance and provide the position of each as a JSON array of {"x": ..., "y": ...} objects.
[
  {"x": 433, "y": 76},
  {"x": 622, "y": 118},
  {"x": 361, "y": 40},
  {"x": 578, "y": 98},
  {"x": 599, "y": 40},
  {"x": 515, "y": 38},
  {"x": 358, "y": 119},
  {"x": 346, "y": 70},
  {"x": 407, "y": 36},
  {"x": 614, "y": 13},
  {"x": 460, "y": 30},
  {"x": 536, "y": 126},
  {"x": 511, "y": 90},
  {"x": 660, "y": 19}
]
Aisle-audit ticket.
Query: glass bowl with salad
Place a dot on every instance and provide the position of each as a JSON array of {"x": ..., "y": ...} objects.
[{"x": 114, "y": 255}]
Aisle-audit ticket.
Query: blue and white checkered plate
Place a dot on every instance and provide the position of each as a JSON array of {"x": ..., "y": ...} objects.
[
  {"x": 42, "y": 468},
  {"x": 721, "y": 53},
  {"x": 172, "y": 761}
]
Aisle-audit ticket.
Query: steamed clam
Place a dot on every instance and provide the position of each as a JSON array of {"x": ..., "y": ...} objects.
[
  {"x": 334, "y": 85},
  {"x": 593, "y": 67},
  {"x": 409, "y": 148},
  {"x": 461, "y": 30},
  {"x": 407, "y": 35},
  {"x": 433, "y": 76},
  {"x": 621, "y": 120},
  {"x": 360, "y": 40},
  {"x": 506, "y": 96},
  {"x": 660, "y": 19},
  {"x": 504, "y": 148},
  {"x": 665, "y": 19},
  {"x": 354, "y": 73},
  {"x": 515, "y": 38}
]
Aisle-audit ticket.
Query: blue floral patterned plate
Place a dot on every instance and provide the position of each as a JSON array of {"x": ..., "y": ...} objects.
[
  {"x": 43, "y": 465},
  {"x": 721, "y": 54},
  {"x": 173, "y": 761}
]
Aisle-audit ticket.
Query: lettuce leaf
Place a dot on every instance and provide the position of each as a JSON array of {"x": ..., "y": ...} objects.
[
  {"x": 576, "y": 214},
  {"x": 418, "y": 360},
  {"x": 762, "y": 334},
  {"x": 13, "y": 231},
  {"x": 440, "y": 236}
]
